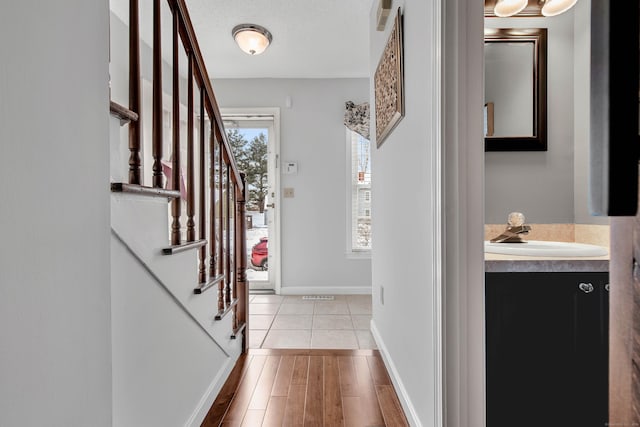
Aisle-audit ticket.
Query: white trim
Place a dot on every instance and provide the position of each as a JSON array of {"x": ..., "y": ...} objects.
[
  {"x": 325, "y": 290},
  {"x": 209, "y": 396},
  {"x": 363, "y": 254},
  {"x": 463, "y": 149},
  {"x": 403, "y": 396},
  {"x": 437, "y": 178},
  {"x": 256, "y": 113}
]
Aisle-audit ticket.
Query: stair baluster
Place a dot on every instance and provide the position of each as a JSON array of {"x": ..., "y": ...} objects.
[
  {"x": 176, "y": 168},
  {"x": 134, "y": 92},
  {"x": 157, "y": 96},
  {"x": 220, "y": 222},
  {"x": 227, "y": 243},
  {"x": 191, "y": 225},
  {"x": 202, "y": 224},
  {"x": 224, "y": 269}
]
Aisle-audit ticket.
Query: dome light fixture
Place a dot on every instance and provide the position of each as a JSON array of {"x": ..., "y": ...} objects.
[
  {"x": 556, "y": 7},
  {"x": 506, "y": 8},
  {"x": 252, "y": 39}
]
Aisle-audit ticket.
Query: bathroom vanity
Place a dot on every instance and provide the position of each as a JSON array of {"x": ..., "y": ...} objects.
[{"x": 546, "y": 341}]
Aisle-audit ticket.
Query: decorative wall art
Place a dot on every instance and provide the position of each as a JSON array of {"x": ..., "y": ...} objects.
[
  {"x": 389, "y": 85},
  {"x": 356, "y": 118}
]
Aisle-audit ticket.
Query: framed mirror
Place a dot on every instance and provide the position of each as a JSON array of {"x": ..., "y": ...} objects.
[{"x": 515, "y": 89}]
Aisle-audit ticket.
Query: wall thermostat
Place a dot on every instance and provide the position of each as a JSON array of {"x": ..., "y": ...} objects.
[{"x": 290, "y": 168}]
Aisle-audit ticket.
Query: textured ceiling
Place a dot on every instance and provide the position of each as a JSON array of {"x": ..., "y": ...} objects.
[{"x": 311, "y": 38}]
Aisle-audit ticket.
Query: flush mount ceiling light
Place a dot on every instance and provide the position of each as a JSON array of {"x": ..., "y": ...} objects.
[
  {"x": 252, "y": 39},
  {"x": 506, "y": 8},
  {"x": 556, "y": 7}
]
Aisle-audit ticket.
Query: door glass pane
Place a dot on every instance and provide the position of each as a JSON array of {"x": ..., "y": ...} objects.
[{"x": 250, "y": 148}]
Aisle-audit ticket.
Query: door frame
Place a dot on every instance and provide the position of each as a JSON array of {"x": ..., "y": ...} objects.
[
  {"x": 274, "y": 164},
  {"x": 462, "y": 295}
]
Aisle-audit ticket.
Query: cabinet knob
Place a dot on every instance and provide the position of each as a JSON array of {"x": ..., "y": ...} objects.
[
  {"x": 607, "y": 287},
  {"x": 587, "y": 288}
]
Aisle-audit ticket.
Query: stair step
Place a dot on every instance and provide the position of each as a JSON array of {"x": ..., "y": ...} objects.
[
  {"x": 238, "y": 330},
  {"x": 123, "y": 113},
  {"x": 209, "y": 284},
  {"x": 226, "y": 311},
  {"x": 122, "y": 187},
  {"x": 185, "y": 246}
]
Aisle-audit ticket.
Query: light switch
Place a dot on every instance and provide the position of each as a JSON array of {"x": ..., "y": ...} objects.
[{"x": 287, "y": 192}]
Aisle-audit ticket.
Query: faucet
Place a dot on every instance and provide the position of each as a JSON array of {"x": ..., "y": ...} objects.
[{"x": 516, "y": 228}]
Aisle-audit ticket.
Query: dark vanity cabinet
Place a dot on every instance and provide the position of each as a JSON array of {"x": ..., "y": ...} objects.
[{"x": 547, "y": 349}]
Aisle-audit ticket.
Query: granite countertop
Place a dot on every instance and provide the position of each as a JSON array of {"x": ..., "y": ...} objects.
[{"x": 498, "y": 263}]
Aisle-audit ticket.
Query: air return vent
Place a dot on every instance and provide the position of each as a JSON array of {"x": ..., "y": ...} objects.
[{"x": 318, "y": 297}]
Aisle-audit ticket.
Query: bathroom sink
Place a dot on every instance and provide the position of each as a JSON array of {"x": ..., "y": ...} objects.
[{"x": 544, "y": 248}]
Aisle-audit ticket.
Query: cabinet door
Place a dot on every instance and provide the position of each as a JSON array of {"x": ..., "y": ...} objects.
[{"x": 544, "y": 346}]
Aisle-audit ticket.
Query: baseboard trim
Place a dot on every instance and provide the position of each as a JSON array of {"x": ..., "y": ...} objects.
[
  {"x": 325, "y": 290},
  {"x": 407, "y": 406},
  {"x": 201, "y": 411}
]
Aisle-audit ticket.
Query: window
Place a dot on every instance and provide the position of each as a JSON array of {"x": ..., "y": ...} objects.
[{"x": 359, "y": 193}]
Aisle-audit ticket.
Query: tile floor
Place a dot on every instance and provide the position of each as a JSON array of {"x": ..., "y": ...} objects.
[{"x": 277, "y": 321}]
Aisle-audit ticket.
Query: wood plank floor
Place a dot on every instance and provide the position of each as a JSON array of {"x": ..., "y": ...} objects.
[{"x": 307, "y": 388}]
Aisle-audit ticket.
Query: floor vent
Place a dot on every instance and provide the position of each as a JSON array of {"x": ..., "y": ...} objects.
[{"x": 318, "y": 297}]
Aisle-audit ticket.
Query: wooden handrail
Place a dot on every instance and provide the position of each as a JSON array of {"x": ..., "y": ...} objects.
[
  {"x": 123, "y": 113},
  {"x": 224, "y": 269},
  {"x": 189, "y": 37},
  {"x": 228, "y": 180}
]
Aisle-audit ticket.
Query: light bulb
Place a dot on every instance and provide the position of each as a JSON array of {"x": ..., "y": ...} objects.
[
  {"x": 556, "y": 7},
  {"x": 506, "y": 8}
]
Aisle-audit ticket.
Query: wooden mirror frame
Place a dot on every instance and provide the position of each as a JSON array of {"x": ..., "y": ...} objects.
[{"x": 537, "y": 142}]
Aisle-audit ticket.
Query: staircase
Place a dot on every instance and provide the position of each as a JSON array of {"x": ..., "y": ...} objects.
[{"x": 179, "y": 290}]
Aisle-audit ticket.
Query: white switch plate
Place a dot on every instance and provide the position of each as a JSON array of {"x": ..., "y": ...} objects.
[{"x": 287, "y": 192}]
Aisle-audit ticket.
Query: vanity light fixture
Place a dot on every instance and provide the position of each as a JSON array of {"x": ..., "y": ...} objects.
[
  {"x": 556, "y": 7},
  {"x": 252, "y": 39},
  {"x": 506, "y": 8}
]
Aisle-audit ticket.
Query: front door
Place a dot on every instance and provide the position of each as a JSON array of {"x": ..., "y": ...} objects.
[{"x": 253, "y": 137}]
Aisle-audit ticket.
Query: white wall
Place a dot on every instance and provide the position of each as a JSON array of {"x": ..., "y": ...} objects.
[
  {"x": 539, "y": 184},
  {"x": 55, "y": 352},
  {"x": 166, "y": 369},
  {"x": 405, "y": 181},
  {"x": 313, "y": 242},
  {"x": 582, "y": 90}
]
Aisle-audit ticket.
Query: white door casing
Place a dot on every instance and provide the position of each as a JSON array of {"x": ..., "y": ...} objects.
[{"x": 269, "y": 118}]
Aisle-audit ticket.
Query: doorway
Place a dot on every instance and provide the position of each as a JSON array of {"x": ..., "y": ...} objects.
[{"x": 254, "y": 138}]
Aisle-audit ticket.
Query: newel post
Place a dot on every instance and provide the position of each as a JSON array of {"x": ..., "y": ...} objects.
[{"x": 242, "y": 315}]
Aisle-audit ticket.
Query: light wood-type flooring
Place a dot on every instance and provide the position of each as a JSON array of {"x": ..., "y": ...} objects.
[{"x": 287, "y": 387}]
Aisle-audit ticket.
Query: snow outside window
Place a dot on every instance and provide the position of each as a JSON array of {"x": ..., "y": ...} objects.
[{"x": 359, "y": 200}]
